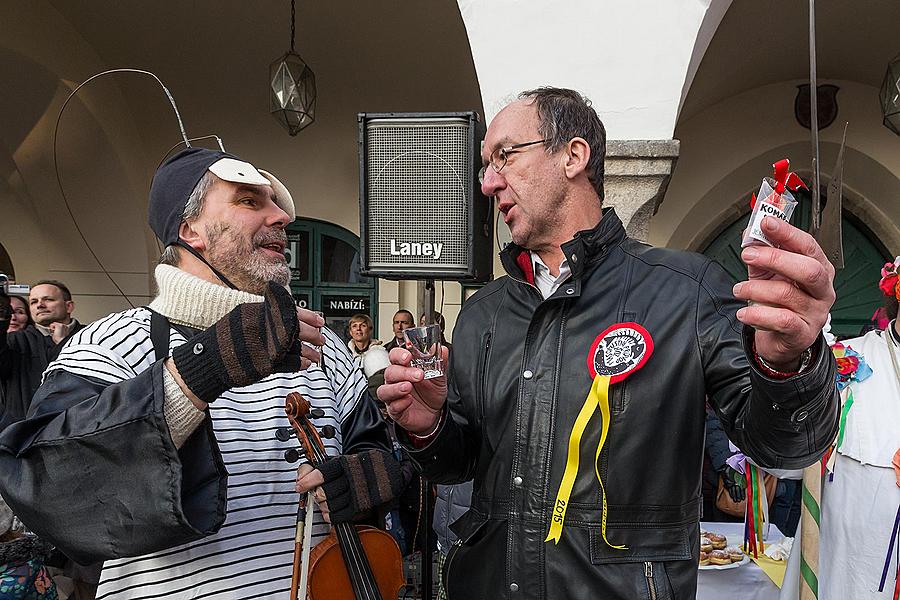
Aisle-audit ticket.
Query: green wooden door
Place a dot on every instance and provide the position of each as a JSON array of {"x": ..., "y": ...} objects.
[
  {"x": 856, "y": 284},
  {"x": 324, "y": 261}
]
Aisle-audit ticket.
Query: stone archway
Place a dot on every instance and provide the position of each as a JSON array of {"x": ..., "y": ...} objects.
[{"x": 6, "y": 265}]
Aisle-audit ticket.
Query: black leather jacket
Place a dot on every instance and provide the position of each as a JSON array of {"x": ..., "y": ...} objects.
[{"x": 518, "y": 377}]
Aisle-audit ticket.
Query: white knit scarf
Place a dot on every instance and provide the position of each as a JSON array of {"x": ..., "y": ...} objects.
[{"x": 188, "y": 300}]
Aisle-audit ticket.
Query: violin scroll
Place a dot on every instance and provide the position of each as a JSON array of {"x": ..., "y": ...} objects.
[{"x": 296, "y": 406}]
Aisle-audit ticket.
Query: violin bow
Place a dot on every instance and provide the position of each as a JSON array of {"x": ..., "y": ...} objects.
[
  {"x": 298, "y": 572},
  {"x": 307, "y": 545}
]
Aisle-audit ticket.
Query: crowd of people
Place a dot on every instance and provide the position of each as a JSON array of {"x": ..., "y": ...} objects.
[{"x": 140, "y": 450}]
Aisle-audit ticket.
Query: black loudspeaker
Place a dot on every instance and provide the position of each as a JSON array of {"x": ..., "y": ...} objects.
[{"x": 422, "y": 214}]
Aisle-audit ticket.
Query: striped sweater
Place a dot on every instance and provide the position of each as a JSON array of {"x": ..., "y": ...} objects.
[{"x": 251, "y": 555}]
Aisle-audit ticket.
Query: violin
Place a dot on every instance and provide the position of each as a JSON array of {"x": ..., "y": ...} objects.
[{"x": 354, "y": 562}]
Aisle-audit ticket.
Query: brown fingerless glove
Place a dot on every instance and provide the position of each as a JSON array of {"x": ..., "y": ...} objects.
[
  {"x": 251, "y": 342},
  {"x": 356, "y": 483}
]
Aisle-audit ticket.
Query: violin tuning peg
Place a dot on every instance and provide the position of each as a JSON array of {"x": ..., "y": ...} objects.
[
  {"x": 284, "y": 434},
  {"x": 292, "y": 455},
  {"x": 317, "y": 413},
  {"x": 328, "y": 432}
]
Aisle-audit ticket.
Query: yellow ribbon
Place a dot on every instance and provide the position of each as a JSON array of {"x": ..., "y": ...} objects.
[{"x": 597, "y": 397}]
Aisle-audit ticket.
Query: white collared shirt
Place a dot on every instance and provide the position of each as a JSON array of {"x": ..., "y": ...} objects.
[{"x": 546, "y": 282}]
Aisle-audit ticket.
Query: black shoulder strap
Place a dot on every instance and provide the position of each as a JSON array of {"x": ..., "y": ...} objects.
[
  {"x": 160, "y": 327},
  {"x": 159, "y": 334}
]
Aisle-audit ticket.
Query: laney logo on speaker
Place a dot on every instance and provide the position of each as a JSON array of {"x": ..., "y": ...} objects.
[{"x": 416, "y": 249}]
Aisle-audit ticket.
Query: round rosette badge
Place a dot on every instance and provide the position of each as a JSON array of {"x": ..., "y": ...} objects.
[
  {"x": 619, "y": 351},
  {"x": 616, "y": 353}
]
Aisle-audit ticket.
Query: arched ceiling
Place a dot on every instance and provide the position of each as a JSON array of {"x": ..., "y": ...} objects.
[
  {"x": 214, "y": 56},
  {"x": 765, "y": 41}
]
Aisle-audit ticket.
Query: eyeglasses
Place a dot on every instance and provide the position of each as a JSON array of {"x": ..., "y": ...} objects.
[{"x": 498, "y": 157}]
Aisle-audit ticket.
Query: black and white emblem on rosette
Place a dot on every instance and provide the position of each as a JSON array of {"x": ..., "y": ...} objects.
[{"x": 619, "y": 351}]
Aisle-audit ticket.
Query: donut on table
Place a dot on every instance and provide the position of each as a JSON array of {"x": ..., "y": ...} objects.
[
  {"x": 735, "y": 553},
  {"x": 718, "y": 541},
  {"x": 719, "y": 557}
]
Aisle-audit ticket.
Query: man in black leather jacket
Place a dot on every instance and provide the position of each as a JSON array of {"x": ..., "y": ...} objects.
[{"x": 532, "y": 351}]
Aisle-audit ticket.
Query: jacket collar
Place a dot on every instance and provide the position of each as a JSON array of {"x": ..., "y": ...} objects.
[{"x": 586, "y": 248}]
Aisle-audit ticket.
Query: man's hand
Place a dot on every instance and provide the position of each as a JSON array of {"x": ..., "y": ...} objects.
[
  {"x": 355, "y": 483},
  {"x": 310, "y": 331},
  {"x": 251, "y": 342},
  {"x": 731, "y": 485},
  {"x": 59, "y": 331},
  {"x": 310, "y": 479},
  {"x": 412, "y": 401},
  {"x": 792, "y": 287}
]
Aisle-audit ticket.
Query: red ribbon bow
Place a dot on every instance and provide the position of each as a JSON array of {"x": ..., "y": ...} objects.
[{"x": 784, "y": 177}]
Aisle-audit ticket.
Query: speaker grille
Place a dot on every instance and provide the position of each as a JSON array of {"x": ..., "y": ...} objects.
[{"x": 418, "y": 181}]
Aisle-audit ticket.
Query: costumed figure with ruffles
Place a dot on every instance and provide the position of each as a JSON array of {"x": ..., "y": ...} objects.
[{"x": 858, "y": 554}]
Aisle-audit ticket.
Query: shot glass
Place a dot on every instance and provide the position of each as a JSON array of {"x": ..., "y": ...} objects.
[{"x": 425, "y": 345}]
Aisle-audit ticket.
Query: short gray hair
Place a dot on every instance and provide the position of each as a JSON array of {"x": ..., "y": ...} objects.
[
  {"x": 192, "y": 208},
  {"x": 565, "y": 114}
]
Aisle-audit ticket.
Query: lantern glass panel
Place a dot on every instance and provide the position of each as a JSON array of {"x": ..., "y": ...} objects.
[
  {"x": 890, "y": 96},
  {"x": 293, "y": 92}
]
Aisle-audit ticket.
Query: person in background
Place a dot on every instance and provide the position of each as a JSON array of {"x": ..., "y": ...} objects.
[
  {"x": 438, "y": 319},
  {"x": 878, "y": 322},
  {"x": 361, "y": 328},
  {"x": 403, "y": 319},
  {"x": 20, "y": 316},
  {"x": 860, "y": 498},
  {"x": 451, "y": 503},
  {"x": 718, "y": 450},
  {"x": 23, "y": 574},
  {"x": 26, "y": 352}
]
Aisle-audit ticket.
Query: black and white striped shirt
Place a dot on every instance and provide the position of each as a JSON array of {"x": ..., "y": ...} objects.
[{"x": 251, "y": 555}]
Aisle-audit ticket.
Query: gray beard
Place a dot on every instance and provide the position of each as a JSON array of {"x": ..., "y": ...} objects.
[{"x": 242, "y": 262}]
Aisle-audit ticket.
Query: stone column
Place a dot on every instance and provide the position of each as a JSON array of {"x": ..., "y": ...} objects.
[{"x": 637, "y": 174}]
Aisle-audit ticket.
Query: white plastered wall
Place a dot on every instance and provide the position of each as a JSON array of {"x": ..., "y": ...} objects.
[
  {"x": 101, "y": 186},
  {"x": 630, "y": 58}
]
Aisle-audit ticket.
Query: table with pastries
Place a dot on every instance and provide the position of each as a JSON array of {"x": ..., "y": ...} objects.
[{"x": 745, "y": 582}]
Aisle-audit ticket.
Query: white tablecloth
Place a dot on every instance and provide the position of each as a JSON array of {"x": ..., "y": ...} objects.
[{"x": 747, "y": 582}]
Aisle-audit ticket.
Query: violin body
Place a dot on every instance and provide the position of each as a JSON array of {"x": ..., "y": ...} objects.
[
  {"x": 328, "y": 578},
  {"x": 352, "y": 562}
]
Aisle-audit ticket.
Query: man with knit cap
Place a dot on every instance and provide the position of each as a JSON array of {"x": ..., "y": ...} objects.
[{"x": 151, "y": 443}]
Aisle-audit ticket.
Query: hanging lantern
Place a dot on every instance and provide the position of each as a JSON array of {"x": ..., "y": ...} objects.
[
  {"x": 890, "y": 96},
  {"x": 292, "y": 89}
]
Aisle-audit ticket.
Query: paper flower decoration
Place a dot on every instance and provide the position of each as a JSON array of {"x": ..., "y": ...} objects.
[
  {"x": 851, "y": 366},
  {"x": 889, "y": 278}
]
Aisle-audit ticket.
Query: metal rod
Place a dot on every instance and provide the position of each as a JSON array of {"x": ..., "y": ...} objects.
[
  {"x": 428, "y": 532},
  {"x": 429, "y": 301},
  {"x": 816, "y": 209}
]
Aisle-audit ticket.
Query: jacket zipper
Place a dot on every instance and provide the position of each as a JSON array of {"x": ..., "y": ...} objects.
[
  {"x": 651, "y": 584},
  {"x": 444, "y": 574},
  {"x": 482, "y": 370}
]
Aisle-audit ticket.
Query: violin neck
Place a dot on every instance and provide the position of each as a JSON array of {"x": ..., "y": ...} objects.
[{"x": 358, "y": 569}]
